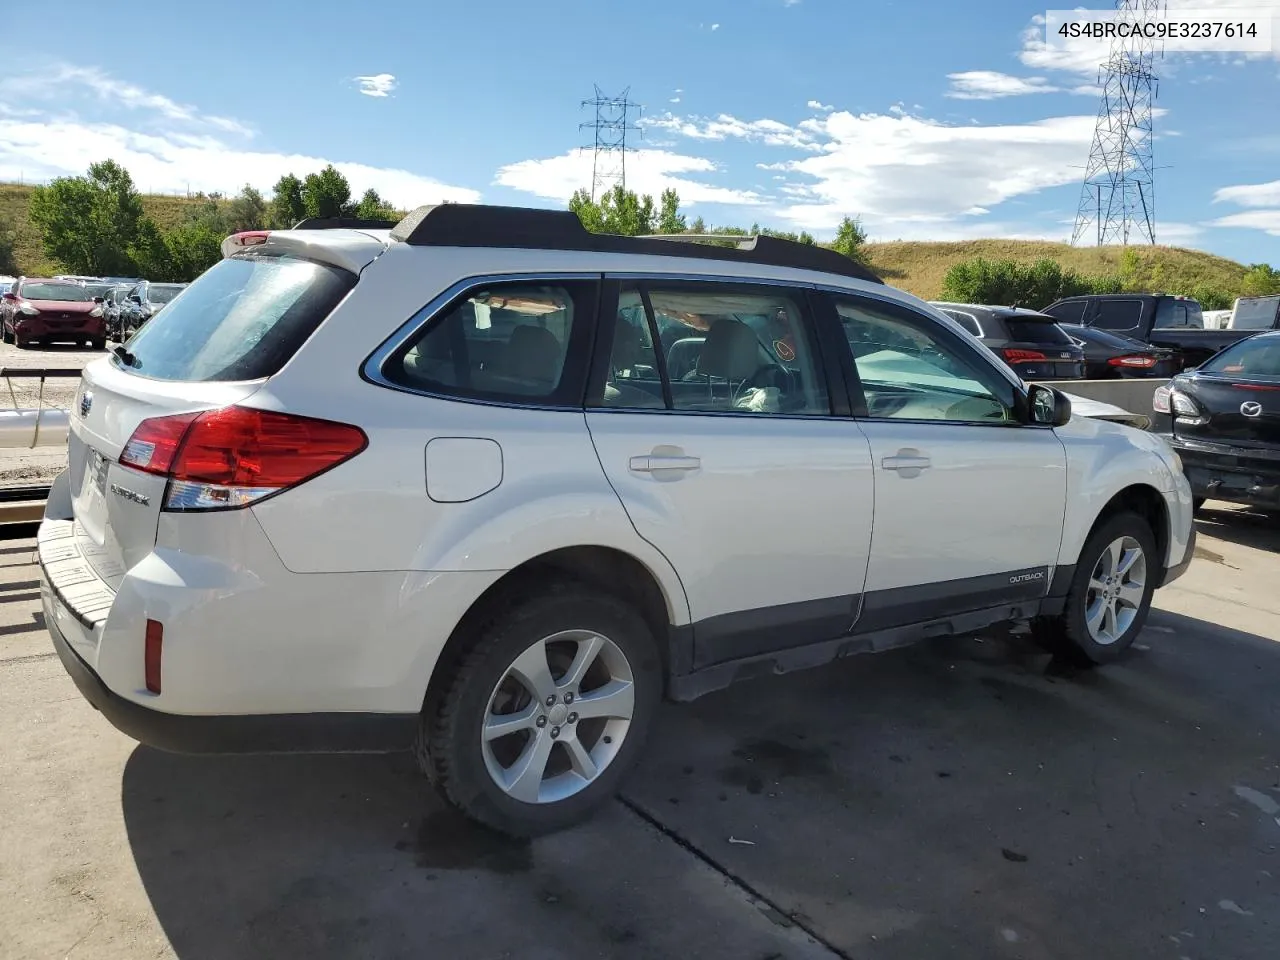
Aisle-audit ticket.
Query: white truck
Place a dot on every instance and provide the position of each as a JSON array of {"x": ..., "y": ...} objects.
[{"x": 1255, "y": 313}]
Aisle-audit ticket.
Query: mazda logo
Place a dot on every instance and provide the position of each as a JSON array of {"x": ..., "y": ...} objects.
[
  {"x": 1251, "y": 408},
  {"x": 86, "y": 403}
]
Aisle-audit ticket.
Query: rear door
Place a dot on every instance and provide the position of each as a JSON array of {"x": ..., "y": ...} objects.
[
  {"x": 237, "y": 325},
  {"x": 711, "y": 411}
]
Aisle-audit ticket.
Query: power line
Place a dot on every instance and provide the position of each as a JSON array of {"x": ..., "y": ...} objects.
[
  {"x": 609, "y": 149},
  {"x": 1117, "y": 201}
]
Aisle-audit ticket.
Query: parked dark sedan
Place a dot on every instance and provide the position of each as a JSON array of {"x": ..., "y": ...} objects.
[
  {"x": 1031, "y": 343},
  {"x": 1110, "y": 356},
  {"x": 1223, "y": 420}
]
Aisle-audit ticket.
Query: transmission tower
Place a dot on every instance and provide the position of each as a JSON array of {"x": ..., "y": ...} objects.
[
  {"x": 610, "y": 127},
  {"x": 1118, "y": 198}
]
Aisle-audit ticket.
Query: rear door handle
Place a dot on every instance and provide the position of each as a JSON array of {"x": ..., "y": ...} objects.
[
  {"x": 907, "y": 463},
  {"x": 651, "y": 464}
]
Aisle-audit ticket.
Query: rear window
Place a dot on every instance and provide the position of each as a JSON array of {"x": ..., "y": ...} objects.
[
  {"x": 1028, "y": 330},
  {"x": 966, "y": 320},
  {"x": 1257, "y": 358},
  {"x": 1070, "y": 311},
  {"x": 240, "y": 320},
  {"x": 1118, "y": 315}
]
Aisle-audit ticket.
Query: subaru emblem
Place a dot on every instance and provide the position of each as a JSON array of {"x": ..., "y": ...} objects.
[
  {"x": 86, "y": 403},
  {"x": 1251, "y": 408}
]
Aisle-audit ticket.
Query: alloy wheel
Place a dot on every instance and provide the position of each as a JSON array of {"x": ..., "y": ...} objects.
[{"x": 1116, "y": 588}]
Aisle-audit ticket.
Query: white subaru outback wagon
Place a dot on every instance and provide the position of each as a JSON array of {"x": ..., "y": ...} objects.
[{"x": 487, "y": 486}]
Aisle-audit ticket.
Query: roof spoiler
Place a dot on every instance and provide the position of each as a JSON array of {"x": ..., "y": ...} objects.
[
  {"x": 342, "y": 223},
  {"x": 483, "y": 225}
]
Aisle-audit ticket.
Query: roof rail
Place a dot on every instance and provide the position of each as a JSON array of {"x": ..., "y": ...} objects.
[
  {"x": 483, "y": 225},
  {"x": 342, "y": 223}
]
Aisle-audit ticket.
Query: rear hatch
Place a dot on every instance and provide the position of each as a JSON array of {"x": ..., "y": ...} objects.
[
  {"x": 1241, "y": 413},
  {"x": 212, "y": 348},
  {"x": 1038, "y": 349}
]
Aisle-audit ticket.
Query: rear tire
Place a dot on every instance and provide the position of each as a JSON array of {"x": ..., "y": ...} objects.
[
  {"x": 21, "y": 342},
  {"x": 98, "y": 344},
  {"x": 1110, "y": 593},
  {"x": 6, "y": 334},
  {"x": 1197, "y": 504},
  {"x": 578, "y": 760}
]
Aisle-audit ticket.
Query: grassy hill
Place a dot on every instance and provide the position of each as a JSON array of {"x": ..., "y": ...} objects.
[
  {"x": 913, "y": 266},
  {"x": 920, "y": 267}
]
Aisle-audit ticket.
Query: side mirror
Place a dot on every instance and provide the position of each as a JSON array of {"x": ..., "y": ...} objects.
[{"x": 1049, "y": 407}]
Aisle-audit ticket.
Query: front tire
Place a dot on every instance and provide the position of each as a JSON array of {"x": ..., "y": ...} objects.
[
  {"x": 545, "y": 713},
  {"x": 1110, "y": 593}
]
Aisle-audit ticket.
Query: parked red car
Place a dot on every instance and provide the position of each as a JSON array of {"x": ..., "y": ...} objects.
[{"x": 52, "y": 311}]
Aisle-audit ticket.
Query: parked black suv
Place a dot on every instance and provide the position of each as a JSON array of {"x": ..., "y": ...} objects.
[
  {"x": 1031, "y": 343},
  {"x": 1159, "y": 319}
]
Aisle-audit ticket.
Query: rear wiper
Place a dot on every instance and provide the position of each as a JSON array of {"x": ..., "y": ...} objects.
[{"x": 125, "y": 357}]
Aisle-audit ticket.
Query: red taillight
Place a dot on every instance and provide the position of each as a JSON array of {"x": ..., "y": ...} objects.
[
  {"x": 151, "y": 654},
  {"x": 250, "y": 238},
  {"x": 1014, "y": 355},
  {"x": 1135, "y": 361},
  {"x": 235, "y": 456},
  {"x": 1256, "y": 386}
]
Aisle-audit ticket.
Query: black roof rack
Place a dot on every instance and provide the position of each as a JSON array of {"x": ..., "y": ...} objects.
[
  {"x": 342, "y": 223},
  {"x": 482, "y": 225}
]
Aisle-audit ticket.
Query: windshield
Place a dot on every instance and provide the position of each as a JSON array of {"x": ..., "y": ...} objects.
[
  {"x": 158, "y": 294},
  {"x": 1257, "y": 358},
  {"x": 55, "y": 291},
  {"x": 241, "y": 320}
]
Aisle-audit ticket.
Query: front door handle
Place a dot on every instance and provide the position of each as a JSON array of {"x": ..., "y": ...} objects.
[
  {"x": 907, "y": 463},
  {"x": 652, "y": 464}
]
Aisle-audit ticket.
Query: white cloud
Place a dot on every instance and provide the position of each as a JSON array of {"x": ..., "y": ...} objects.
[
  {"x": 1267, "y": 221},
  {"x": 1250, "y": 195},
  {"x": 820, "y": 106},
  {"x": 715, "y": 26},
  {"x": 991, "y": 85},
  {"x": 648, "y": 171},
  {"x": 60, "y": 82},
  {"x": 165, "y": 145},
  {"x": 674, "y": 100},
  {"x": 790, "y": 3},
  {"x": 772, "y": 133},
  {"x": 378, "y": 85},
  {"x": 898, "y": 110}
]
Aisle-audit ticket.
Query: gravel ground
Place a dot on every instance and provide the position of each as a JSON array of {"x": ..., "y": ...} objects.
[{"x": 40, "y": 465}]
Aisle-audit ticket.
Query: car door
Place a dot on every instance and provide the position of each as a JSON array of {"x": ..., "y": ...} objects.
[
  {"x": 969, "y": 500},
  {"x": 711, "y": 411}
]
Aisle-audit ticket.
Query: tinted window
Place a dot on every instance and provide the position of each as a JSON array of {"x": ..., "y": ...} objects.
[
  {"x": 1069, "y": 311},
  {"x": 1257, "y": 358},
  {"x": 910, "y": 371},
  {"x": 54, "y": 291},
  {"x": 241, "y": 320},
  {"x": 1106, "y": 338},
  {"x": 162, "y": 294},
  {"x": 1170, "y": 313},
  {"x": 503, "y": 341},
  {"x": 1118, "y": 314},
  {"x": 966, "y": 320},
  {"x": 1036, "y": 331},
  {"x": 725, "y": 349}
]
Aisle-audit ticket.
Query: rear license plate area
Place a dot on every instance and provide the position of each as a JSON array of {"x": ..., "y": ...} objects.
[{"x": 97, "y": 472}]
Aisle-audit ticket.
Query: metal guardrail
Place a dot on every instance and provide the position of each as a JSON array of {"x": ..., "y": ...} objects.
[{"x": 25, "y": 504}]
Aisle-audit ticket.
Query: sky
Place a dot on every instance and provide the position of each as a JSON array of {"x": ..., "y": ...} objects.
[{"x": 929, "y": 120}]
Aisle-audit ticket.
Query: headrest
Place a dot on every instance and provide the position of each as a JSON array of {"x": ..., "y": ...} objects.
[
  {"x": 731, "y": 351},
  {"x": 533, "y": 353},
  {"x": 626, "y": 345}
]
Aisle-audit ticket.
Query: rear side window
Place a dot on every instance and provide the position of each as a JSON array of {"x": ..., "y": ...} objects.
[
  {"x": 242, "y": 319},
  {"x": 1170, "y": 313},
  {"x": 1070, "y": 311},
  {"x": 966, "y": 320},
  {"x": 501, "y": 342},
  {"x": 1036, "y": 331},
  {"x": 1118, "y": 315}
]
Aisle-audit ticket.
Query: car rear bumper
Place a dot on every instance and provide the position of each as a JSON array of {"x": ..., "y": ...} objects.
[
  {"x": 1233, "y": 474},
  {"x": 255, "y": 658},
  {"x": 261, "y": 733}
]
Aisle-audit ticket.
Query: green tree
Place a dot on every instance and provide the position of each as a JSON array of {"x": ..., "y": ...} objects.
[
  {"x": 1261, "y": 280},
  {"x": 326, "y": 194},
  {"x": 286, "y": 206},
  {"x": 851, "y": 240},
  {"x": 192, "y": 249},
  {"x": 1008, "y": 283},
  {"x": 150, "y": 253},
  {"x": 8, "y": 240},
  {"x": 373, "y": 207},
  {"x": 619, "y": 211},
  {"x": 88, "y": 223},
  {"x": 246, "y": 211},
  {"x": 670, "y": 219},
  {"x": 1212, "y": 298}
]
